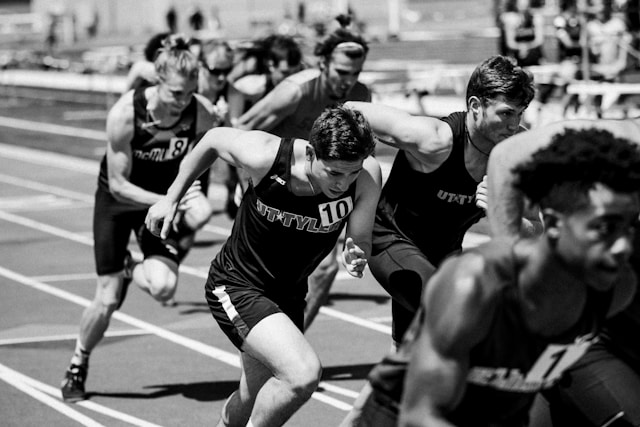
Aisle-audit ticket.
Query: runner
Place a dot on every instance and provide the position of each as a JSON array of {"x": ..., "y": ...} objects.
[
  {"x": 290, "y": 109},
  {"x": 605, "y": 383},
  {"x": 301, "y": 195},
  {"x": 494, "y": 327},
  {"x": 435, "y": 191},
  {"x": 149, "y": 131}
]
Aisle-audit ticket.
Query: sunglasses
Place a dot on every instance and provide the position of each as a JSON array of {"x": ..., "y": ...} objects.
[{"x": 217, "y": 71}]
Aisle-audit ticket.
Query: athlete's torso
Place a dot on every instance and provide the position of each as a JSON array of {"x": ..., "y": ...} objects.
[
  {"x": 156, "y": 152},
  {"x": 279, "y": 238},
  {"x": 313, "y": 101},
  {"x": 433, "y": 210},
  {"x": 511, "y": 364}
]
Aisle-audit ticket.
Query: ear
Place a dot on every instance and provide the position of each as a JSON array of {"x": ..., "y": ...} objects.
[
  {"x": 474, "y": 104},
  {"x": 310, "y": 152},
  {"x": 552, "y": 221}
]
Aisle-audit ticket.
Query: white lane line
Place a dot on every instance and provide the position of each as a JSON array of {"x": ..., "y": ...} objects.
[
  {"x": 46, "y": 188},
  {"x": 52, "y": 128},
  {"x": 197, "y": 346},
  {"x": 13, "y": 378},
  {"x": 68, "y": 337},
  {"x": 45, "y": 390},
  {"x": 65, "y": 277},
  {"x": 356, "y": 320}
]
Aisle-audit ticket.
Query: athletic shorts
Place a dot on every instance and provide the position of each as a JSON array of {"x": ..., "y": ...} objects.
[
  {"x": 113, "y": 223},
  {"x": 237, "y": 308}
]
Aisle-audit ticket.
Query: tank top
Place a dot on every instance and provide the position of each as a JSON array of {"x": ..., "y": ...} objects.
[
  {"x": 279, "y": 238},
  {"x": 314, "y": 100},
  {"x": 510, "y": 364},
  {"x": 156, "y": 152},
  {"x": 432, "y": 210}
]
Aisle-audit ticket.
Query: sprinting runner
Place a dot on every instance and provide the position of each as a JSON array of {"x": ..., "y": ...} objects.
[
  {"x": 505, "y": 320},
  {"x": 149, "y": 132},
  {"x": 301, "y": 196},
  {"x": 605, "y": 383},
  {"x": 435, "y": 190},
  {"x": 290, "y": 109}
]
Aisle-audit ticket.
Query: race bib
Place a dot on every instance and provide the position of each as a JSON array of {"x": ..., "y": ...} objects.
[{"x": 336, "y": 210}]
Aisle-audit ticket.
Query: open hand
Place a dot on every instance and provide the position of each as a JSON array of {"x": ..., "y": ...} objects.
[{"x": 353, "y": 258}]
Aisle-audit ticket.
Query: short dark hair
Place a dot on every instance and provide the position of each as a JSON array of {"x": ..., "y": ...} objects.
[
  {"x": 560, "y": 175},
  {"x": 501, "y": 76},
  {"x": 282, "y": 47},
  {"x": 326, "y": 47},
  {"x": 341, "y": 133}
]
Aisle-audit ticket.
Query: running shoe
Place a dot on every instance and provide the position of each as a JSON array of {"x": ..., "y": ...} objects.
[{"x": 73, "y": 384}]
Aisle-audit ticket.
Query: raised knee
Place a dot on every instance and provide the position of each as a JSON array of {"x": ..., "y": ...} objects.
[
  {"x": 162, "y": 289},
  {"x": 306, "y": 379}
]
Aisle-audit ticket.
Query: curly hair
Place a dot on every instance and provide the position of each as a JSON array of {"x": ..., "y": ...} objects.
[
  {"x": 501, "y": 76},
  {"x": 560, "y": 175},
  {"x": 340, "y": 133}
]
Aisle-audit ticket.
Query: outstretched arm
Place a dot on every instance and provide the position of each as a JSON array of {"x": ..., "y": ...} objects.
[
  {"x": 427, "y": 139},
  {"x": 267, "y": 113},
  {"x": 455, "y": 315},
  {"x": 506, "y": 204},
  {"x": 357, "y": 246},
  {"x": 253, "y": 151}
]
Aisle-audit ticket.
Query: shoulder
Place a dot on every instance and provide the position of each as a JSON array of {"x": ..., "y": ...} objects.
[
  {"x": 122, "y": 111},
  {"x": 460, "y": 301},
  {"x": 303, "y": 77}
]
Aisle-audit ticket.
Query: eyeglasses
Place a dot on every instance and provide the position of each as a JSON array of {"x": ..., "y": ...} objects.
[{"x": 220, "y": 72}]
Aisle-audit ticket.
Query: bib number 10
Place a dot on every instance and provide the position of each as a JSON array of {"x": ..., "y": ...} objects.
[{"x": 336, "y": 210}]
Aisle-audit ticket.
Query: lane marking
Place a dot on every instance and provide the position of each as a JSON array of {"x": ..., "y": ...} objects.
[
  {"x": 65, "y": 277},
  {"x": 46, "y": 390},
  {"x": 197, "y": 346},
  {"x": 42, "y": 127},
  {"x": 67, "y": 337},
  {"x": 14, "y": 379}
]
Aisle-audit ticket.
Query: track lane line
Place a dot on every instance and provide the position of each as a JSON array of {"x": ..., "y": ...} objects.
[{"x": 53, "y": 395}]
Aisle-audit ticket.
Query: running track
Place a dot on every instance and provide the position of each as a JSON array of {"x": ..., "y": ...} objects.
[{"x": 158, "y": 366}]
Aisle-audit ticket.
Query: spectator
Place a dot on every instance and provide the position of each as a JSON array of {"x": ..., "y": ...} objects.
[{"x": 524, "y": 32}]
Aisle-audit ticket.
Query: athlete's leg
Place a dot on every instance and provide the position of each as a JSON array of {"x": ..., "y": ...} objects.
[
  {"x": 197, "y": 212},
  {"x": 158, "y": 276},
  {"x": 281, "y": 372},
  {"x": 370, "y": 410},
  {"x": 320, "y": 283},
  {"x": 402, "y": 270}
]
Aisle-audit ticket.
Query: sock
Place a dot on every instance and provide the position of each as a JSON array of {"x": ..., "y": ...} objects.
[{"x": 80, "y": 355}]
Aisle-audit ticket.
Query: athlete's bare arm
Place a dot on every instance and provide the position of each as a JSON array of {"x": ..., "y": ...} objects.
[
  {"x": 426, "y": 139},
  {"x": 120, "y": 130},
  {"x": 505, "y": 203},
  {"x": 277, "y": 105},
  {"x": 253, "y": 151},
  {"x": 360, "y": 222},
  {"x": 457, "y": 314}
]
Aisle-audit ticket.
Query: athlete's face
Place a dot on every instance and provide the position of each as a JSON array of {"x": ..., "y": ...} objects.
[
  {"x": 596, "y": 241},
  {"x": 333, "y": 177},
  {"x": 496, "y": 119},
  {"x": 281, "y": 70},
  {"x": 341, "y": 74},
  {"x": 176, "y": 91},
  {"x": 216, "y": 68}
]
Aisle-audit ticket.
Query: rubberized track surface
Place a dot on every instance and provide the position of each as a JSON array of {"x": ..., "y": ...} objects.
[{"x": 168, "y": 366}]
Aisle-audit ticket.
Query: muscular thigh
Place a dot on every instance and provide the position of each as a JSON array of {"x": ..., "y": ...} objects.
[
  {"x": 402, "y": 270},
  {"x": 112, "y": 226}
]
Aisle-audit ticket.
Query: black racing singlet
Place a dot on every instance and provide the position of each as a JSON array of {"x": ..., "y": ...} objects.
[
  {"x": 432, "y": 210},
  {"x": 279, "y": 238},
  {"x": 156, "y": 152},
  {"x": 510, "y": 365}
]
